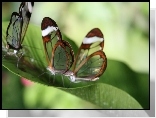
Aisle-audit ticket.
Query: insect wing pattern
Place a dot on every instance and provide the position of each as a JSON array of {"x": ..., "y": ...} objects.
[
  {"x": 91, "y": 61},
  {"x": 49, "y": 34},
  {"x": 18, "y": 25},
  {"x": 13, "y": 33},
  {"x": 25, "y": 10},
  {"x": 59, "y": 53},
  {"x": 63, "y": 56}
]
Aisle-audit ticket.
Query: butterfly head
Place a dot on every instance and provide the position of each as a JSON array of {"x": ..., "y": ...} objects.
[{"x": 72, "y": 78}]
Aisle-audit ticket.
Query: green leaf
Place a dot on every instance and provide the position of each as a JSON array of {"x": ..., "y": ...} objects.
[
  {"x": 106, "y": 96},
  {"x": 12, "y": 95},
  {"x": 33, "y": 67}
]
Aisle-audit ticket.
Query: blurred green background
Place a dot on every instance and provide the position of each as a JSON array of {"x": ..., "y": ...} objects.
[{"x": 126, "y": 31}]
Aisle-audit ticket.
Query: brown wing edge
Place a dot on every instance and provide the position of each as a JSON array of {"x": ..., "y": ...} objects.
[
  {"x": 28, "y": 15},
  {"x": 94, "y": 32},
  {"x": 63, "y": 44},
  {"x": 9, "y": 45},
  {"x": 47, "y": 21},
  {"x": 103, "y": 67}
]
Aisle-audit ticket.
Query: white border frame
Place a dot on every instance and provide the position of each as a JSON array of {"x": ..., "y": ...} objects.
[{"x": 4, "y": 113}]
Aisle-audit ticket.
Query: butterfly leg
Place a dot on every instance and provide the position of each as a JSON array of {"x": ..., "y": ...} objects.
[
  {"x": 49, "y": 79},
  {"x": 63, "y": 81},
  {"x": 42, "y": 74},
  {"x": 7, "y": 52},
  {"x": 3, "y": 56},
  {"x": 69, "y": 83},
  {"x": 54, "y": 79},
  {"x": 19, "y": 58}
]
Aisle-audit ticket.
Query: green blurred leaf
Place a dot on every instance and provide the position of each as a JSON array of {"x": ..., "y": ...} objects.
[
  {"x": 106, "y": 96},
  {"x": 12, "y": 92},
  {"x": 33, "y": 64}
]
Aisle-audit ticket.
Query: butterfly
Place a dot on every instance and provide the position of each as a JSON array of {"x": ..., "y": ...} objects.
[
  {"x": 90, "y": 62},
  {"x": 59, "y": 53},
  {"x": 17, "y": 28}
]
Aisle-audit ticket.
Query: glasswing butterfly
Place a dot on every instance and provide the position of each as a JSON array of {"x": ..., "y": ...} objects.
[
  {"x": 59, "y": 53},
  {"x": 90, "y": 62},
  {"x": 16, "y": 30}
]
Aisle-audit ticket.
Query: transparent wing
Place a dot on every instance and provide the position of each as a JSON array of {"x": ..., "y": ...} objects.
[
  {"x": 93, "y": 42},
  {"x": 13, "y": 33},
  {"x": 49, "y": 45},
  {"x": 25, "y": 10},
  {"x": 62, "y": 56},
  {"x": 92, "y": 67},
  {"x": 50, "y": 35}
]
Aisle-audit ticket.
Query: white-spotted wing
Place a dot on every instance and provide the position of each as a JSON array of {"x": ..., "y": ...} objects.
[
  {"x": 59, "y": 53},
  {"x": 25, "y": 10},
  {"x": 91, "y": 61}
]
